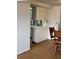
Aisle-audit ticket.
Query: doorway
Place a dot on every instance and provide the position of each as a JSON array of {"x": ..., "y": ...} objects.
[{"x": 32, "y": 30}]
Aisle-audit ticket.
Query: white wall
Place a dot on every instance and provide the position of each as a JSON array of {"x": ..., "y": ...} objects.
[
  {"x": 41, "y": 13},
  {"x": 54, "y": 16},
  {"x": 38, "y": 3},
  {"x": 23, "y": 27}
]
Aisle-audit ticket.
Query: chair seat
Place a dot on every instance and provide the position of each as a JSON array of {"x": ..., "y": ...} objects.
[{"x": 58, "y": 43}]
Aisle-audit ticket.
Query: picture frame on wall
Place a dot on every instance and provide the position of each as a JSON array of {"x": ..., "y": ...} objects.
[{"x": 38, "y": 22}]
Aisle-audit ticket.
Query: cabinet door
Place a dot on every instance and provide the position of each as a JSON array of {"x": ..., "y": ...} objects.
[
  {"x": 41, "y": 13},
  {"x": 46, "y": 13}
]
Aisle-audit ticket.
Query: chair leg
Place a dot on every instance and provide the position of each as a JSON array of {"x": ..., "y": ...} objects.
[{"x": 53, "y": 49}]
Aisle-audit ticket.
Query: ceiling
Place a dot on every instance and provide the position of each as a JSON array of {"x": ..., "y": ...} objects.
[{"x": 51, "y": 2}]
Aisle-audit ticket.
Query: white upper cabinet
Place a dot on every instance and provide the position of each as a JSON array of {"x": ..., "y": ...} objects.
[{"x": 41, "y": 13}]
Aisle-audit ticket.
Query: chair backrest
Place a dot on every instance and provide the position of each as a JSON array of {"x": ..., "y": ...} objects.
[
  {"x": 57, "y": 34},
  {"x": 51, "y": 29}
]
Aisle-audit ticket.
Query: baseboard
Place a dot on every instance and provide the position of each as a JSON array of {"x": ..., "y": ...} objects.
[
  {"x": 23, "y": 51},
  {"x": 41, "y": 41}
]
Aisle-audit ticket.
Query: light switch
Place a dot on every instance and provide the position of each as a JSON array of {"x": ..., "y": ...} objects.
[{"x": 56, "y": 22}]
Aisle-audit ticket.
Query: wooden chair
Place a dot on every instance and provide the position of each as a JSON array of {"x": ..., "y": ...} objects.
[{"x": 57, "y": 42}]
